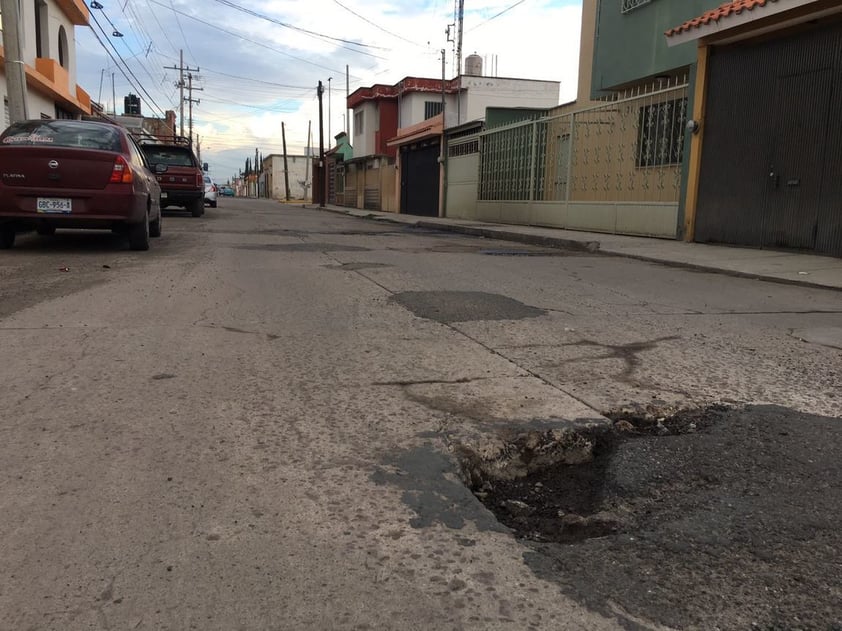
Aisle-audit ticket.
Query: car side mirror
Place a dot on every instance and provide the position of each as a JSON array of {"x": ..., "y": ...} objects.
[
  {"x": 160, "y": 168},
  {"x": 204, "y": 166}
]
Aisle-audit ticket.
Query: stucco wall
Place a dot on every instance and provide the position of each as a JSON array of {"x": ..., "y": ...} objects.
[
  {"x": 631, "y": 46},
  {"x": 482, "y": 92},
  {"x": 297, "y": 175},
  {"x": 364, "y": 140}
]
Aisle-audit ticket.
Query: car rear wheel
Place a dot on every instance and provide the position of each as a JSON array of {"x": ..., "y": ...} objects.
[
  {"x": 155, "y": 226},
  {"x": 197, "y": 207},
  {"x": 46, "y": 231},
  {"x": 139, "y": 235},
  {"x": 213, "y": 204},
  {"x": 7, "y": 237}
]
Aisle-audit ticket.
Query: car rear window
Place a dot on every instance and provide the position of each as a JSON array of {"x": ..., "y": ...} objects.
[
  {"x": 171, "y": 156},
  {"x": 63, "y": 134}
]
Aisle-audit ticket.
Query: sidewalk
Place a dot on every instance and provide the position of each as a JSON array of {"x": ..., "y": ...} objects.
[{"x": 783, "y": 267}]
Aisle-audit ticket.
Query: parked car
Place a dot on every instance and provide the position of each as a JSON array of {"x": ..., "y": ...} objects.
[
  {"x": 227, "y": 191},
  {"x": 76, "y": 174},
  {"x": 210, "y": 192},
  {"x": 182, "y": 182}
]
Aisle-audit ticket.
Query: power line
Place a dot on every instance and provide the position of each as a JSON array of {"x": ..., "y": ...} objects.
[
  {"x": 139, "y": 86},
  {"x": 323, "y": 36},
  {"x": 378, "y": 27},
  {"x": 180, "y": 28},
  {"x": 252, "y": 41},
  {"x": 494, "y": 17}
]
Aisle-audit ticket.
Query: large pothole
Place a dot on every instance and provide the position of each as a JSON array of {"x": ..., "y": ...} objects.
[{"x": 550, "y": 485}]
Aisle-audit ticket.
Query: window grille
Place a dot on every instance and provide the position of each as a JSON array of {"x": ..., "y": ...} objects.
[
  {"x": 463, "y": 149},
  {"x": 630, "y": 5},
  {"x": 358, "y": 123},
  {"x": 431, "y": 108},
  {"x": 660, "y": 133}
]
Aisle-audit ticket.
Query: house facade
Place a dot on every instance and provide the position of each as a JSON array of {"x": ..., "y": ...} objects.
[
  {"x": 398, "y": 130},
  {"x": 766, "y": 156},
  {"x": 48, "y": 41},
  {"x": 611, "y": 161}
]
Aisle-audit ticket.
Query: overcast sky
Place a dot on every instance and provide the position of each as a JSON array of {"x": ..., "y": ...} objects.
[{"x": 260, "y": 60}]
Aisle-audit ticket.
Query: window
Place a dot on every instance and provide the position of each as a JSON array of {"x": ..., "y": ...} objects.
[
  {"x": 630, "y": 5},
  {"x": 660, "y": 133},
  {"x": 63, "y": 56},
  {"x": 358, "y": 123},
  {"x": 432, "y": 108}
]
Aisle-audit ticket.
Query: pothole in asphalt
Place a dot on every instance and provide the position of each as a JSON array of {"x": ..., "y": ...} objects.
[
  {"x": 360, "y": 265},
  {"x": 551, "y": 485},
  {"x": 303, "y": 247},
  {"x": 464, "y": 306},
  {"x": 526, "y": 252}
]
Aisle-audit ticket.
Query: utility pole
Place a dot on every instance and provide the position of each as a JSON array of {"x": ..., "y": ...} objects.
[
  {"x": 321, "y": 149},
  {"x": 459, "y": 21},
  {"x": 113, "y": 95},
  {"x": 348, "y": 112},
  {"x": 330, "y": 143},
  {"x": 180, "y": 85},
  {"x": 308, "y": 162},
  {"x": 191, "y": 100},
  {"x": 257, "y": 175},
  {"x": 199, "y": 149},
  {"x": 286, "y": 167},
  {"x": 14, "y": 68}
]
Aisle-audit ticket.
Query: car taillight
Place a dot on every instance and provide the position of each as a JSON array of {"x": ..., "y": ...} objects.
[
  {"x": 200, "y": 180},
  {"x": 213, "y": 187},
  {"x": 121, "y": 173}
]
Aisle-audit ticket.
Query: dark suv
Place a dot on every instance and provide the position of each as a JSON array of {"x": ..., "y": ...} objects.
[{"x": 182, "y": 183}]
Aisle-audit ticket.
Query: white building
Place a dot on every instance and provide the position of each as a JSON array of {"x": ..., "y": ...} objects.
[
  {"x": 300, "y": 176},
  {"x": 48, "y": 40}
]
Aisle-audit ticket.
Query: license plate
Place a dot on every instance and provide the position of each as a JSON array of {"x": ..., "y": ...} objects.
[
  {"x": 163, "y": 195},
  {"x": 54, "y": 205}
]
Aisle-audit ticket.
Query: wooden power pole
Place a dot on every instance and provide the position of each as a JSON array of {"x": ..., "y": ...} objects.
[{"x": 286, "y": 167}]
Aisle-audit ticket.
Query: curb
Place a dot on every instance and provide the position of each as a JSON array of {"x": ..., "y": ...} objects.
[{"x": 581, "y": 246}]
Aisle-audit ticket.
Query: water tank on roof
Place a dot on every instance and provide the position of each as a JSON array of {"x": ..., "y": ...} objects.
[{"x": 473, "y": 65}]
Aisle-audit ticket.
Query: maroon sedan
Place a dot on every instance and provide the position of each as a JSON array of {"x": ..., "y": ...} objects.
[{"x": 76, "y": 174}]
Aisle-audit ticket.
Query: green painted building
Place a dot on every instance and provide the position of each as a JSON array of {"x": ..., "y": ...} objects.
[{"x": 629, "y": 44}]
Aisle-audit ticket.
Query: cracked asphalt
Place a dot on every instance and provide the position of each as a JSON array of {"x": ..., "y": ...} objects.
[{"x": 251, "y": 426}]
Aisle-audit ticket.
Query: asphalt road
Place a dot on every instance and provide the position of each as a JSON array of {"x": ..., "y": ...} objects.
[{"x": 267, "y": 422}]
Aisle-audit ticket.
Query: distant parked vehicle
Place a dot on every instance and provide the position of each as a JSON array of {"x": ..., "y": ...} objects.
[
  {"x": 76, "y": 174},
  {"x": 227, "y": 191},
  {"x": 210, "y": 191},
  {"x": 179, "y": 174}
]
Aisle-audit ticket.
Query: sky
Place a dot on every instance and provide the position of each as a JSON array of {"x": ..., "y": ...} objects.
[{"x": 259, "y": 61}]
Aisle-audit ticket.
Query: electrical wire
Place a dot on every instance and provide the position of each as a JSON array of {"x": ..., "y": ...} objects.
[
  {"x": 139, "y": 87},
  {"x": 252, "y": 41},
  {"x": 180, "y": 28},
  {"x": 494, "y": 17},
  {"x": 377, "y": 26},
  {"x": 322, "y": 36}
]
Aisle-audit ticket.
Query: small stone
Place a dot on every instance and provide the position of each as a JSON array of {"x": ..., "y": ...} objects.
[
  {"x": 624, "y": 426},
  {"x": 518, "y": 508}
]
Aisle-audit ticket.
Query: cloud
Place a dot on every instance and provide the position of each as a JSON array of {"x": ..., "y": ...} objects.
[{"x": 255, "y": 74}]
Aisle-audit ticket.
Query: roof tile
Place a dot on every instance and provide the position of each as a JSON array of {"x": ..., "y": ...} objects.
[{"x": 734, "y": 7}]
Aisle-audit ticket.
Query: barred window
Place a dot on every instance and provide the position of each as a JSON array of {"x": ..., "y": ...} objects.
[
  {"x": 431, "y": 108},
  {"x": 463, "y": 149},
  {"x": 630, "y": 5},
  {"x": 358, "y": 123},
  {"x": 660, "y": 133}
]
